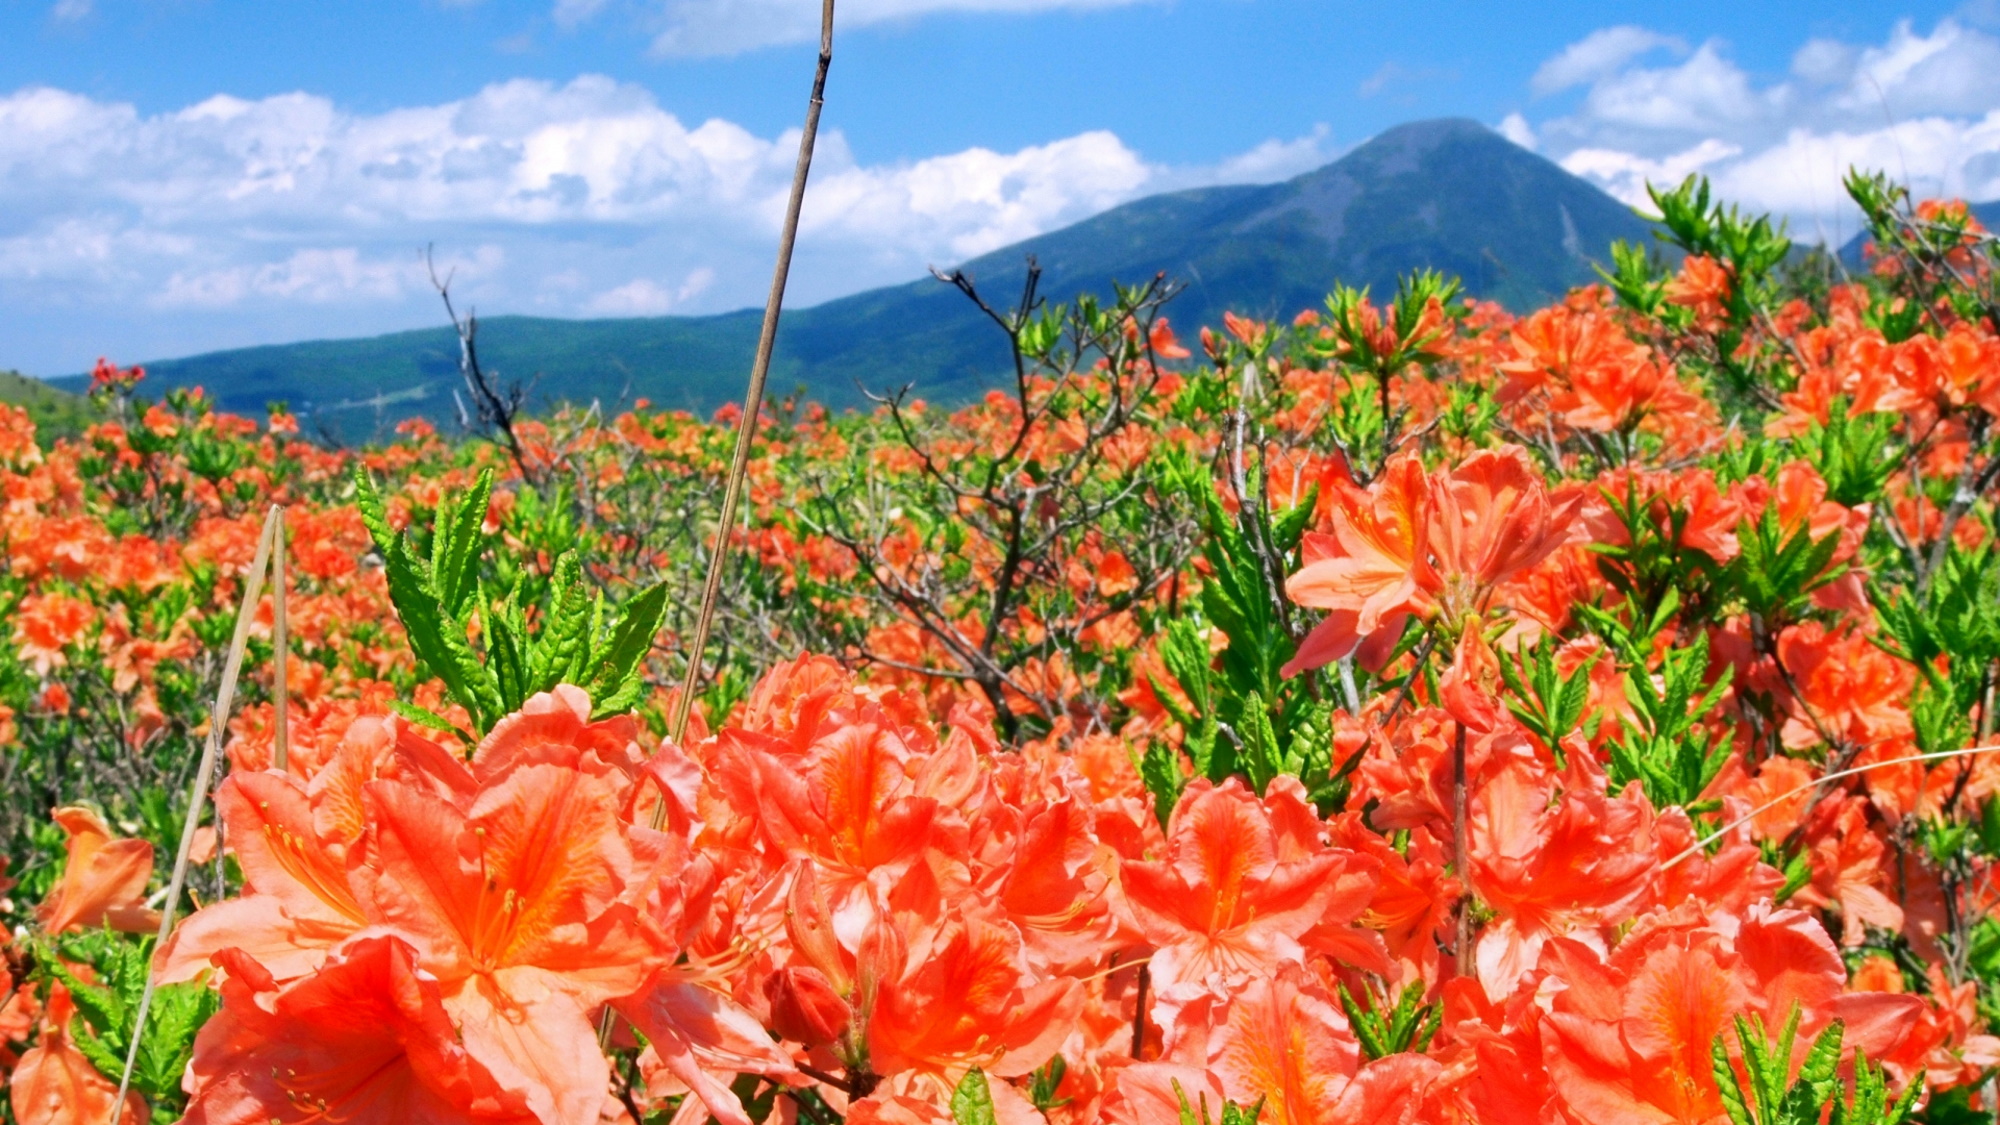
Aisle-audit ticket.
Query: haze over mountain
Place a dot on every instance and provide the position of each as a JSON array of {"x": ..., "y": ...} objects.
[{"x": 1446, "y": 194}]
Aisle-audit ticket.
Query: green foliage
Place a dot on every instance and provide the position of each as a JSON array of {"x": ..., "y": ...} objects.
[
  {"x": 1665, "y": 748},
  {"x": 1752, "y": 247},
  {"x": 108, "y": 1007},
  {"x": 1777, "y": 570},
  {"x": 438, "y": 596},
  {"x": 1856, "y": 454},
  {"x": 1773, "y": 1097},
  {"x": 1408, "y": 1026},
  {"x": 1547, "y": 704},
  {"x": 1232, "y": 1114},
  {"x": 1045, "y": 1085},
  {"x": 1245, "y": 717},
  {"x": 1654, "y": 569},
  {"x": 1954, "y": 620}
]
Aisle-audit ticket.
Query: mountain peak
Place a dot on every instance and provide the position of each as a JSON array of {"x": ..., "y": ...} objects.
[{"x": 1448, "y": 194}]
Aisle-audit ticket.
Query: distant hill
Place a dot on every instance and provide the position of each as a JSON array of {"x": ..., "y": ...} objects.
[
  {"x": 1448, "y": 194},
  {"x": 56, "y": 413}
]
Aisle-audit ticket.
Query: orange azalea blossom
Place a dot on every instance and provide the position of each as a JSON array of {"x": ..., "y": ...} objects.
[
  {"x": 955, "y": 994},
  {"x": 1847, "y": 688},
  {"x": 1627, "y": 1036},
  {"x": 1703, "y": 286},
  {"x": 1280, "y": 1041},
  {"x": 46, "y": 625},
  {"x": 365, "y": 1039},
  {"x": 1242, "y": 883},
  {"x": 525, "y": 893},
  {"x": 54, "y": 1084},
  {"x": 1422, "y": 545},
  {"x": 1551, "y": 856},
  {"x": 1371, "y": 572},
  {"x": 103, "y": 881}
]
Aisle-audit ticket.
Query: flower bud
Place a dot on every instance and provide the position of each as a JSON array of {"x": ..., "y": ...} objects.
[{"x": 804, "y": 1006}]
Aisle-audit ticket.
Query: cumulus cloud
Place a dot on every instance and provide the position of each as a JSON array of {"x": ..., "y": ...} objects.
[
  {"x": 642, "y": 296},
  {"x": 1924, "y": 107},
  {"x": 1598, "y": 54},
  {"x": 1515, "y": 128},
  {"x": 233, "y": 218}
]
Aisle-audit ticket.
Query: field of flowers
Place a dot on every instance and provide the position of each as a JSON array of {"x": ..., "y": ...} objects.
[{"x": 1408, "y": 713}]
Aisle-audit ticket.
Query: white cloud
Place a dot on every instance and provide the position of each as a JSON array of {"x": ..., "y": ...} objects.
[
  {"x": 69, "y": 11},
  {"x": 1274, "y": 160},
  {"x": 235, "y": 221},
  {"x": 1923, "y": 107},
  {"x": 728, "y": 27},
  {"x": 1515, "y": 128},
  {"x": 1598, "y": 54},
  {"x": 642, "y": 296}
]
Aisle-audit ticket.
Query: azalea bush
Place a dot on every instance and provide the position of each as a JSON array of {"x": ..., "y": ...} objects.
[{"x": 1409, "y": 712}]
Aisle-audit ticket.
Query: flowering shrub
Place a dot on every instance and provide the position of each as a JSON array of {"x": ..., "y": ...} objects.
[{"x": 1411, "y": 713}]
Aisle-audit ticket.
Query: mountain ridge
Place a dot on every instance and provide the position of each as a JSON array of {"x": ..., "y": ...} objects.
[{"x": 1446, "y": 194}]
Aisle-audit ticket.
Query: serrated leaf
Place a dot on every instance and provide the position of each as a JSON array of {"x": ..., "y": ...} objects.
[
  {"x": 506, "y": 645},
  {"x": 438, "y": 638},
  {"x": 616, "y": 683},
  {"x": 457, "y": 543},
  {"x": 1367, "y": 1025},
  {"x": 373, "y": 514},
  {"x": 1730, "y": 1087},
  {"x": 559, "y": 651},
  {"x": 429, "y": 719},
  {"x": 109, "y": 1059},
  {"x": 179, "y": 1011},
  {"x": 1260, "y": 743},
  {"x": 1160, "y": 771},
  {"x": 99, "y": 1007},
  {"x": 1290, "y": 526}
]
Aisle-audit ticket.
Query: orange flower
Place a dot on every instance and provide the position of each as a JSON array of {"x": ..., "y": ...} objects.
[
  {"x": 1551, "y": 856},
  {"x": 1283, "y": 1042},
  {"x": 365, "y": 1039},
  {"x": 516, "y": 882},
  {"x": 46, "y": 625},
  {"x": 54, "y": 1084},
  {"x": 1241, "y": 884},
  {"x": 1423, "y": 545},
  {"x": 1703, "y": 285},
  {"x": 1628, "y": 1037},
  {"x": 103, "y": 880},
  {"x": 1371, "y": 573},
  {"x": 956, "y": 994}
]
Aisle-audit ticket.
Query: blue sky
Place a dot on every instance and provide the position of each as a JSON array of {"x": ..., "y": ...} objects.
[{"x": 181, "y": 175}]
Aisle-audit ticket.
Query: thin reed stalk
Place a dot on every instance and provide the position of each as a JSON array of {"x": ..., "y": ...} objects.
[
  {"x": 204, "y": 775},
  {"x": 753, "y": 398}
]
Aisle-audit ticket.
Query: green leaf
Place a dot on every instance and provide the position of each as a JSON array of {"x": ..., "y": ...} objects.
[
  {"x": 972, "y": 1101},
  {"x": 617, "y": 682},
  {"x": 1160, "y": 769},
  {"x": 429, "y": 719},
  {"x": 559, "y": 652},
  {"x": 1729, "y": 1085},
  {"x": 373, "y": 514},
  {"x": 457, "y": 543},
  {"x": 1262, "y": 759}
]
